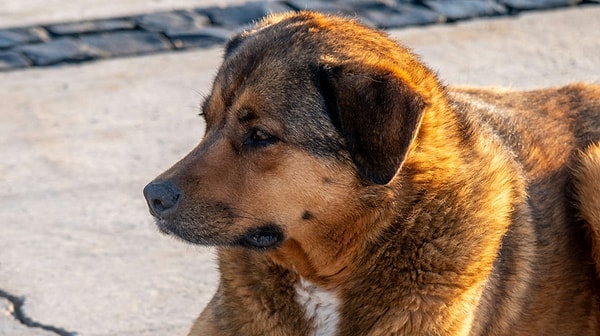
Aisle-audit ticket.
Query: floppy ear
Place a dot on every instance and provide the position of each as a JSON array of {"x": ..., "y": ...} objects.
[{"x": 377, "y": 113}]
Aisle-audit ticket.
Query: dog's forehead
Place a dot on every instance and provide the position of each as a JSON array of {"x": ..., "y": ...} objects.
[
  {"x": 276, "y": 58},
  {"x": 275, "y": 79}
]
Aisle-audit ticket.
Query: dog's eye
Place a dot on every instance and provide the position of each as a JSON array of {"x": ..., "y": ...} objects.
[{"x": 258, "y": 137}]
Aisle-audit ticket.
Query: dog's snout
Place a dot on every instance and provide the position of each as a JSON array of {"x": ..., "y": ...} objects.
[{"x": 162, "y": 197}]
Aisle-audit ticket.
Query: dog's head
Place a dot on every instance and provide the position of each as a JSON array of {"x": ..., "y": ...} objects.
[{"x": 309, "y": 119}]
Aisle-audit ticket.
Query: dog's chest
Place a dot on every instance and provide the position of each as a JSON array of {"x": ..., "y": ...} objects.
[{"x": 320, "y": 306}]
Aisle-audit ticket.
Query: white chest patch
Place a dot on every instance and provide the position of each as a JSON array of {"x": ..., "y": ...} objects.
[{"x": 320, "y": 306}]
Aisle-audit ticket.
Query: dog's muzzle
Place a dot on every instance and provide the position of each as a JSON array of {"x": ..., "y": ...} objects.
[{"x": 162, "y": 197}]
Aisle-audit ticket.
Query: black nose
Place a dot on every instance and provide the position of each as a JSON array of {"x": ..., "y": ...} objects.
[{"x": 162, "y": 197}]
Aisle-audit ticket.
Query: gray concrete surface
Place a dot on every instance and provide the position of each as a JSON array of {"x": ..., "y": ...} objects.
[{"x": 78, "y": 143}]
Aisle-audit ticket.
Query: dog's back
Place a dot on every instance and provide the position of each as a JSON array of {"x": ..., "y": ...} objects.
[{"x": 554, "y": 135}]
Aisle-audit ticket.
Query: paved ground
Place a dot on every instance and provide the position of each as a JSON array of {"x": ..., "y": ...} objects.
[{"x": 79, "y": 142}]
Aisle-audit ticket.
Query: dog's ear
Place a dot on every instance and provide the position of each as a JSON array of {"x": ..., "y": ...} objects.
[
  {"x": 377, "y": 113},
  {"x": 233, "y": 43}
]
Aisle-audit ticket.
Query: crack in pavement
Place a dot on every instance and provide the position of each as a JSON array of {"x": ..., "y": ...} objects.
[{"x": 17, "y": 312}]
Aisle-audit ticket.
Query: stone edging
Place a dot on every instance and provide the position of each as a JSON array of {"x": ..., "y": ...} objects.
[{"x": 75, "y": 42}]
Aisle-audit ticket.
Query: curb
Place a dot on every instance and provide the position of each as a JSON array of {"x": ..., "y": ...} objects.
[{"x": 84, "y": 41}]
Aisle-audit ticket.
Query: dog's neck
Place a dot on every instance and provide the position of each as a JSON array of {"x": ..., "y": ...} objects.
[{"x": 330, "y": 265}]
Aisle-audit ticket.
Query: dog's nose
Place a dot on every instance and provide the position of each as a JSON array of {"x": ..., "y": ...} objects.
[{"x": 162, "y": 197}]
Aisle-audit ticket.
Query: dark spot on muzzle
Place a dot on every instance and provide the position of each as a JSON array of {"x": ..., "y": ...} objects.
[{"x": 307, "y": 215}]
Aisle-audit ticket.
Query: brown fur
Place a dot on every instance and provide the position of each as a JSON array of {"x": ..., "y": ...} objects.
[
  {"x": 587, "y": 186},
  {"x": 332, "y": 155}
]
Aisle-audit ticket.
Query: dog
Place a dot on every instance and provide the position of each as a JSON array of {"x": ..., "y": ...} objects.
[{"x": 349, "y": 192}]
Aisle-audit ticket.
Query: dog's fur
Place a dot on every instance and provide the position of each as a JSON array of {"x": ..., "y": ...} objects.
[{"x": 350, "y": 193}]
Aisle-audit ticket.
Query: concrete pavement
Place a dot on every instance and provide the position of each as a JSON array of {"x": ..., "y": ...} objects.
[{"x": 79, "y": 142}]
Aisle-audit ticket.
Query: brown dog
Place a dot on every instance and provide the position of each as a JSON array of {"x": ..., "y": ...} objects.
[{"x": 350, "y": 193}]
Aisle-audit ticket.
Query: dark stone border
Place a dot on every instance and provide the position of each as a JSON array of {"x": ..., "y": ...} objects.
[
  {"x": 19, "y": 315},
  {"x": 75, "y": 42}
]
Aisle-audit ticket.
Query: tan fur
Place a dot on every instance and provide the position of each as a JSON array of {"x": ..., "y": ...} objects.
[{"x": 334, "y": 157}]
